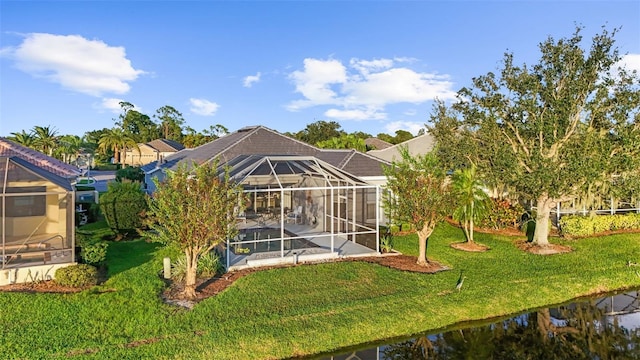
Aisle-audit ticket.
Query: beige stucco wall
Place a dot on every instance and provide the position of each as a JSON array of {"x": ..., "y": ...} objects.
[
  {"x": 147, "y": 155},
  {"x": 38, "y": 272}
]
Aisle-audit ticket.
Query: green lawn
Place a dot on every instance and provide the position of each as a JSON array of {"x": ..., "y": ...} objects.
[{"x": 305, "y": 309}]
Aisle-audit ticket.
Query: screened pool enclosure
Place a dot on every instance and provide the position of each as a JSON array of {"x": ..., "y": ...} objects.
[
  {"x": 36, "y": 227},
  {"x": 299, "y": 208}
]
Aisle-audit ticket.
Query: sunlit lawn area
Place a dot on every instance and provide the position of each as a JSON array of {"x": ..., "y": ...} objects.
[{"x": 305, "y": 309}]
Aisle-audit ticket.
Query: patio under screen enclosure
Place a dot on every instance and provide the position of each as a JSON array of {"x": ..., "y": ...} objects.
[
  {"x": 299, "y": 209},
  {"x": 36, "y": 222}
]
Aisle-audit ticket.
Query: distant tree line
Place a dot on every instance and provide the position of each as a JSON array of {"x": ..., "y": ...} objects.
[{"x": 133, "y": 127}]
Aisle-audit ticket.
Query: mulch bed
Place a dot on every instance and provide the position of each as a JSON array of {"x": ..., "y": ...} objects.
[
  {"x": 469, "y": 246},
  {"x": 549, "y": 249}
]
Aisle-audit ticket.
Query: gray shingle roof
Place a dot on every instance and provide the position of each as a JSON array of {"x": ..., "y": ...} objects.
[
  {"x": 165, "y": 145},
  {"x": 377, "y": 144},
  {"x": 260, "y": 140}
]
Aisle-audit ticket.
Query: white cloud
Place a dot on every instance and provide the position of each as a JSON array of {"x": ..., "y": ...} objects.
[
  {"x": 251, "y": 79},
  {"x": 86, "y": 66},
  {"x": 630, "y": 62},
  {"x": 411, "y": 112},
  {"x": 113, "y": 105},
  {"x": 203, "y": 107},
  {"x": 355, "y": 114},
  {"x": 314, "y": 83},
  {"x": 364, "y": 88},
  {"x": 410, "y": 126},
  {"x": 367, "y": 66}
]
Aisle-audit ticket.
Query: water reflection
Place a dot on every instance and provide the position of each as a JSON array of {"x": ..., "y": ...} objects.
[{"x": 603, "y": 328}]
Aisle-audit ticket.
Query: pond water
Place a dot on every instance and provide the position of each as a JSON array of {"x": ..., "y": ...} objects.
[{"x": 606, "y": 327}]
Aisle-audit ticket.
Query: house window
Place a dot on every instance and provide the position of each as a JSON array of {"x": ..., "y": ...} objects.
[
  {"x": 372, "y": 209},
  {"x": 26, "y": 205}
]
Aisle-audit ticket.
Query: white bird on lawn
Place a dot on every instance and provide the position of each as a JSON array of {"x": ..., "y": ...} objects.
[{"x": 460, "y": 281}]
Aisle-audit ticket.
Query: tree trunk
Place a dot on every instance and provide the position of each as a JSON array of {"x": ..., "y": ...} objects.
[
  {"x": 541, "y": 234},
  {"x": 471, "y": 224},
  {"x": 423, "y": 238},
  {"x": 190, "y": 278}
]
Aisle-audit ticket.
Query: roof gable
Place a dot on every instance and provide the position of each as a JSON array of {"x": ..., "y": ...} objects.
[{"x": 418, "y": 145}]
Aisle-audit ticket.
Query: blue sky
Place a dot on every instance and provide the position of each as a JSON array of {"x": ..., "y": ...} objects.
[{"x": 373, "y": 66}]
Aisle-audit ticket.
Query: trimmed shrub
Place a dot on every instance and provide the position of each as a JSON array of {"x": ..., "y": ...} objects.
[
  {"x": 92, "y": 250},
  {"x": 123, "y": 205},
  {"x": 502, "y": 214},
  {"x": 130, "y": 173},
  {"x": 578, "y": 225},
  {"x": 77, "y": 276}
]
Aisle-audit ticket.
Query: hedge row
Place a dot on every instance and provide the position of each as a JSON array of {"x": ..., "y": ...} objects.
[{"x": 577, "y": 225}]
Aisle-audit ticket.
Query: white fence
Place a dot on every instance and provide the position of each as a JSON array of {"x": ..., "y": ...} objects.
[{"x": 614, "y": 208}]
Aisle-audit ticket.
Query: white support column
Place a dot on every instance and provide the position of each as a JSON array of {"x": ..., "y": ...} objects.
[
  {"x": 333, "y": 220},
  {"x": 378, "y": 218},
  {"x": 228, "y": 241},
  {"x": 611, "y": 207},
  {"x": 353, "y": 212},
  {"x": 558, "y": 214}
]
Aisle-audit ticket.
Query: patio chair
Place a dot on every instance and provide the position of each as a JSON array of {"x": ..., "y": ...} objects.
[{"x": 295, "y": 215}]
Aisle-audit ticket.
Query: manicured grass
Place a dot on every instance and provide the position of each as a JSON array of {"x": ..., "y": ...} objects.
[{"x": 305, "y": 309}]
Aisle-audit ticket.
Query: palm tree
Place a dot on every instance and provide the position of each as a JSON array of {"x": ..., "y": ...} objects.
[
  {"x": 69, "y": 147},
  {"x": 23, "y": 138},
  {"x": 117, "y": 140},
  {"x": 46, "y": 139},
  {"x": 471, "y": 200}
]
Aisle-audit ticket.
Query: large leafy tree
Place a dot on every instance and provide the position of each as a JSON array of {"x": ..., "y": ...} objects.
[
  {"x": 346, "y": 141},
  {"x": 194, "y": 210},
  {"x": 137, "y": 125},
  {"x": 550, "y": 131},
  {"x": 193, "y": 139},
  {"x": 319, "y": 131},
  {"x": 171, "y": 122},
  {"x": 419, "y": 195}
]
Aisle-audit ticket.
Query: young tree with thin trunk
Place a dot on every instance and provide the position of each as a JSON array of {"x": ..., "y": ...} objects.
[
  {"x": 550, "y": 131},
  {"x": 195, "y": 210},
  {"x": 419, "y": 195},
  {"x": 470, "y": 198}
]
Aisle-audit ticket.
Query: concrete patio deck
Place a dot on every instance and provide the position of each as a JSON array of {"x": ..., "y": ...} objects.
[{"x": 342, "y": 247}]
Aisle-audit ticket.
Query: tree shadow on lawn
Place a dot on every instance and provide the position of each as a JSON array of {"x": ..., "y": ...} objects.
[{"x": 126, "y": 255}]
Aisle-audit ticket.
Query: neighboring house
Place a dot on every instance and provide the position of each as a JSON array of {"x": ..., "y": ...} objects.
[
  {"x": 301, "y": 203},
  {"x": 419, "y": 145},
  {"x": 376, "y": 144},
  {"x": 152, "y": 151},
  {"x": 37, "y": 213},
  {"x": 260, "y": 140}
]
